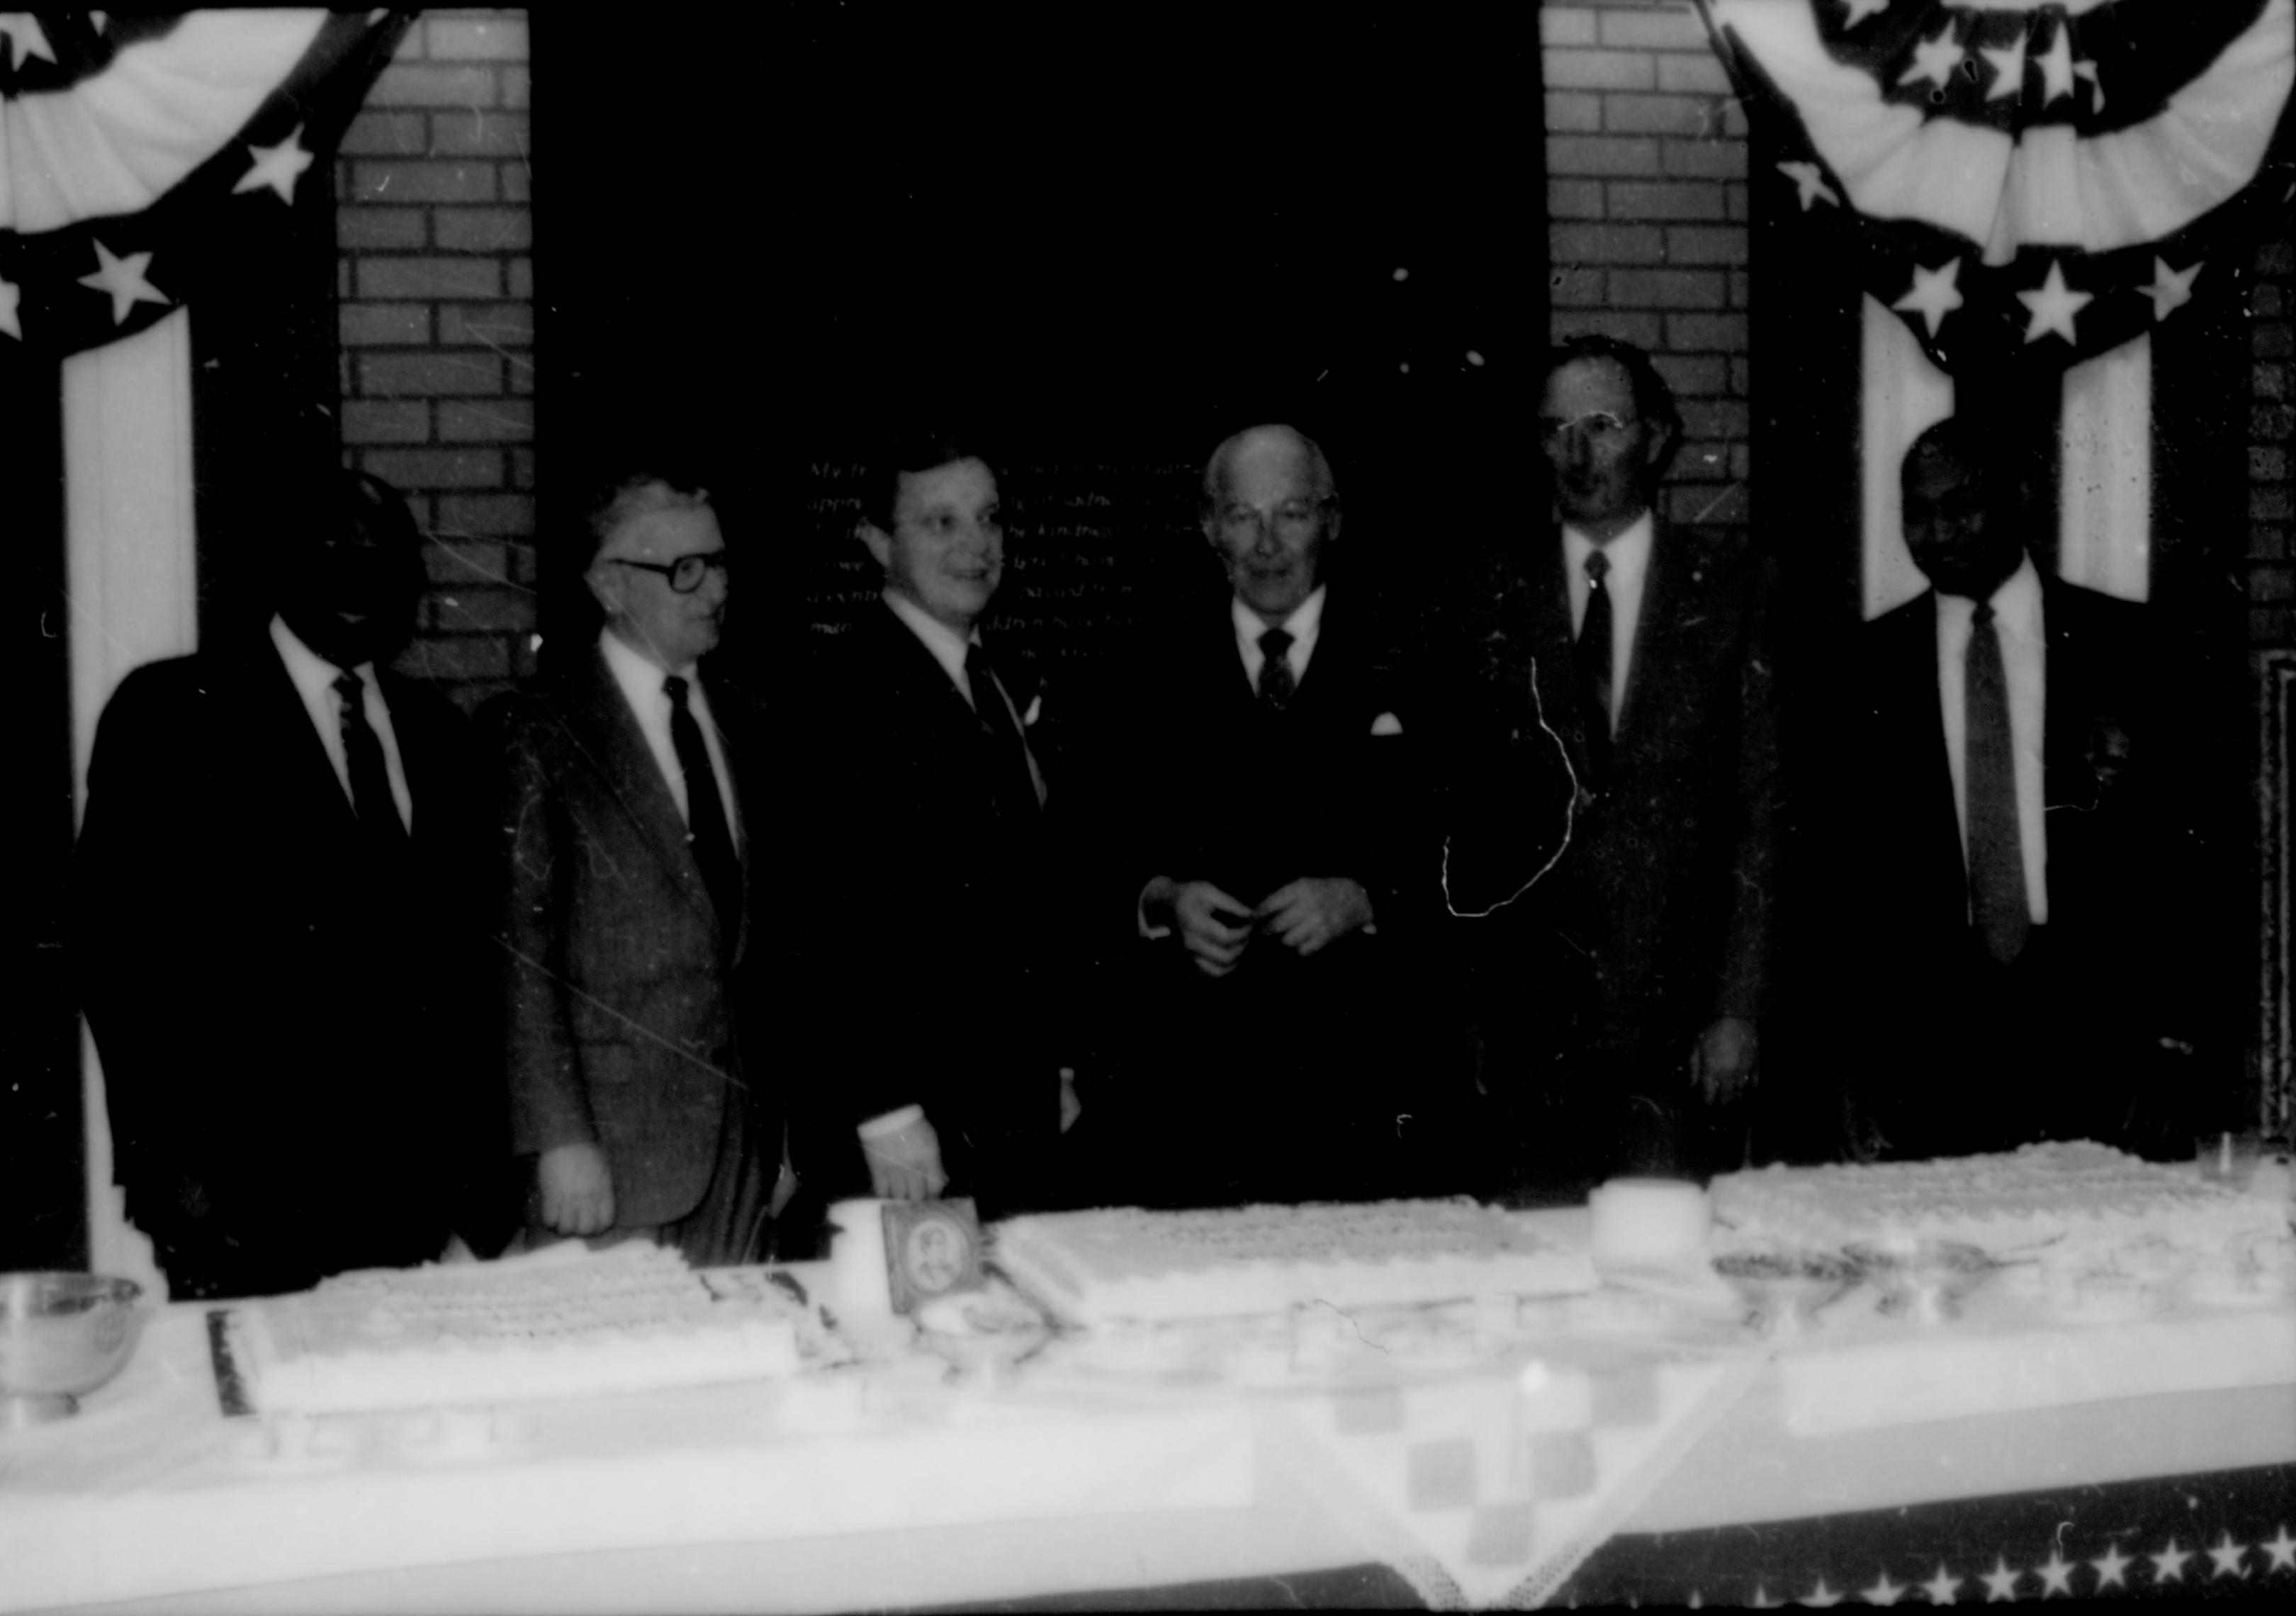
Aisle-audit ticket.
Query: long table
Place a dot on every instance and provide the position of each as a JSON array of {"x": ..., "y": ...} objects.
[{"x": 2002, "y": 1456}]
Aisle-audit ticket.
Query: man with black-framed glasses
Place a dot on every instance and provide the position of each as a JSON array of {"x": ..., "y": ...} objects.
[{"x": 625, "y": 912}]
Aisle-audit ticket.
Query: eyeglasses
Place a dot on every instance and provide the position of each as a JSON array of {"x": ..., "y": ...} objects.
[
  {"x": 685, "y": 573},
  {"x": 1597, "y": 424}
]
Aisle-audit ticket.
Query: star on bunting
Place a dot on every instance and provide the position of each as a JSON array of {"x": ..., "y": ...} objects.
[
  {"x": 123, "y": 278},
  {"x": 2171, "y": 289},
  {"x": 2008, "y": 68},
  {"x": 2108, "y": 1568},
  {"x": 1944, "y": 1588},
  {"x": 1882, "y": 1592},
  {"x": 2056, "y": 1574},
  {"x": 2057, "y": 66},
  {"x": 1859, "y": 10},
  {"x": 2088, "y": 69},
  {"x": 2054, "y": 307},
  {"x": 1934, "y": 59},
  {"x": 2000, "y": 1582},
  {"x": 2282, "y": 1550},
  {"x": 1934, "y": 295},
  {"x": 1820, "y": 1596},
  {"x": 25, "y": 38},
  {"x": 12, "y": 294},
  {"x": 1809, "y": 182},
  {"x": 2228, "y": 1555},
  {"x": 278, "y": 167},
  {"x": 2168, "y": 1564}
]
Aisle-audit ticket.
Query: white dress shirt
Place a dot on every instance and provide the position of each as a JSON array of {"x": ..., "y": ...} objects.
[
  {"x": 1304, "y": 625},
  {"x": 1305, "y": 621},
  {"x": 642, "y": 687},
  {"x": 950, "y": 649},
  {"x": 1629, "y": 557},
  {"x": 315, "y": 681},
  {"x": 2017, "y": 620},
  {"x": 947, "y": 646}
]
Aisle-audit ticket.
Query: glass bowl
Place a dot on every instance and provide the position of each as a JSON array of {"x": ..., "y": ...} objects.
[{"x": 61, "y": 1336}]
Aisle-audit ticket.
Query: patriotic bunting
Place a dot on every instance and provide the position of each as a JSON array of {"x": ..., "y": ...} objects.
[
  {"x": 2024, "y": 185},
  {"x": 135, "y": 152}
]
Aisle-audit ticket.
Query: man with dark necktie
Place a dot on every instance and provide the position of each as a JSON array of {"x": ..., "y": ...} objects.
[
  {"x": 919, "y": 936},
  {"x": 629, "y": 799},
  {"x": 1614, "y": 804},
  {"x": 1263, "y": 797},
  {"x": 2015, "y": 916},
  {"x": 276, "y": 932}
]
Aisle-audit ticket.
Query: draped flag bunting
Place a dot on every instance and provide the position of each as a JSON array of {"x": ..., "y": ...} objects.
[
  {"x": 134, "y": 148},
  {"x": 2023, "y": 183},
  {"x": 149, "y": 165}
]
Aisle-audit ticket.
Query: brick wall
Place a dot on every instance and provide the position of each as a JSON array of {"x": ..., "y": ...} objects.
[
  {"x": 1647, "y": 220},
  {"x": 434, "y": 234}
]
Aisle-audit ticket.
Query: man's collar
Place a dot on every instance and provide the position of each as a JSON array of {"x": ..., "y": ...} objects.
[
  {"x": 1306, "y": 618},
  {"x": 633, "y": 665},
  {"x": 1628, "y": 554},
  {"x": 2016, "y": 599},
  {"x": 305, "y": 665},
  {"x": 937, "y": 636}
]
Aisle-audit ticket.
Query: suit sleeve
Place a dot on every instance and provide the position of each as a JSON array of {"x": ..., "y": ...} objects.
[
  {"x": 549, "y": 1105},
  {"x": 1752, "y": 903},
  {"x": 138, "y": 938}
]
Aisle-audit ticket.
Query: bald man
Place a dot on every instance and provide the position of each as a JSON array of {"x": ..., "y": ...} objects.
[{"x": 1267, "y": 794}]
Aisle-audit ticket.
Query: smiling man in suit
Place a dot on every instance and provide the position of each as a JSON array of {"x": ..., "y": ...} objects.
[
  {"x": 628, "y": 806},
  {"x": 2015, "y": 868},
  {"x": 1263, "y": 792},
  {"x": 1614, "y": 815},
  {"x": 274, "y": 925},
  {"x": 920, "y": 936}
]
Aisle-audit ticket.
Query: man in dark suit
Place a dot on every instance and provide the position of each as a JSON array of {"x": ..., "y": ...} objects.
[
  {"x": 1613, "y": 814},
  {"x": 274, "y": 928},
  {"x": 919, "y": 938},
  {"x": 2009, "y": 856},
  {"x": 1266, "y": 796},
  {"x": 629, "y": 801}
]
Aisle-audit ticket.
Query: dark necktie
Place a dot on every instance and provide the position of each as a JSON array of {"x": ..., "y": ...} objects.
[
  {"x": 1016, "y": 787},
  {"x": 706, "y": 832},
  {"x": 1276, "y": 681},
  {"x": 1996, "y": 859},
  {"x": 1595, "y": 651},
  {"x": 371, "y": 798}
]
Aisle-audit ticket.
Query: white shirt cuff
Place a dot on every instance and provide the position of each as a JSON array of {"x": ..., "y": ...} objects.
[
  {"x": 1140, "y": 916},
  {"x": 892, "y": 1122}
]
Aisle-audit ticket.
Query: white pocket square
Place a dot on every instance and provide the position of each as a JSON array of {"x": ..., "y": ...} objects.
[
  {"x": 1387, "y": 723},
  {"x": 1036, "y": 709}
]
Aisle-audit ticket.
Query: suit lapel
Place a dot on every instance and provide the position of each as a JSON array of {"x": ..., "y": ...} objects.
[
  {"x": 602, "y": 725},
  {"x": 1656, "y": 646},
  {"x": 737, "y": 738},
  {"x": 308, "y": 787},
  {"x": 1553, "y": 649}
]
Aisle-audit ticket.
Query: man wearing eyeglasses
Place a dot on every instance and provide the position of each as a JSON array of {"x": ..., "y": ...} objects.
[
  {"x": 627, "y": 803},
  {"x": 1613, "y": 812},
  {"x": 1266, "y": 789}
]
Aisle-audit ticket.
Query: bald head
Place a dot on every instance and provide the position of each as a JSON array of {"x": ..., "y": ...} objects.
[
  {"x": 1264, "y": 446},
  {"x": 1270, "y": 507}
]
